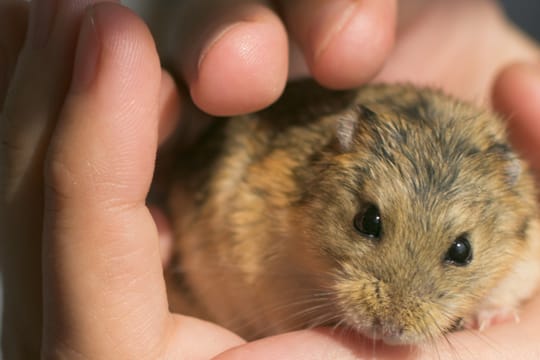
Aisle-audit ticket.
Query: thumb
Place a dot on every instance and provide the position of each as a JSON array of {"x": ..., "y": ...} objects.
[{"x": 103, "y": 286}]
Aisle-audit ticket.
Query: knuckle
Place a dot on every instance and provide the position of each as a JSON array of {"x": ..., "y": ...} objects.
[
  {"x": 61, "y": 180},
  {"x": 69, "y": 176}
]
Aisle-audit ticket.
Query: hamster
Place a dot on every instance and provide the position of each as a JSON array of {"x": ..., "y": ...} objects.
[{"x": 395, "y": 211}]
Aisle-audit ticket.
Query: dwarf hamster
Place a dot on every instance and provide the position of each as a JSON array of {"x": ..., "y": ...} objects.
[{"x": 396, "y": 211}]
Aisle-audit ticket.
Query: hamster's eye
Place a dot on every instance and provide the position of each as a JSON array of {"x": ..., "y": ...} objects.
[
  {"x": 460, "y": 252},
  {"x": 368, "y": 222}
]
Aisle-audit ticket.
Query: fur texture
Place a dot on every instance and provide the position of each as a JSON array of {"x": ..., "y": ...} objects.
[{"x": 263, "y": 210}]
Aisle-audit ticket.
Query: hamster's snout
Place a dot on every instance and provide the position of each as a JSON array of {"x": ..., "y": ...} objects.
[
  {"x": 395, "y": 331},
  {"x": 390, "y": 333},
  {"x": 395, "y": 311}
]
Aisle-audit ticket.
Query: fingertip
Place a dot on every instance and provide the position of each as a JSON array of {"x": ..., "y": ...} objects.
[
  {"x": 112, "y": 41},
  {"x": 318, "y": 343},
  {"x": 513, "y": 83},
  {"x": 357, "y": 53},
  {"x": 200, "y": 339},
  {"x": 111, "y": 111},
  {"x": 244, "y": 70},
  {"x": 516, "y": 95},
  {"x": 345, "y": 42}
]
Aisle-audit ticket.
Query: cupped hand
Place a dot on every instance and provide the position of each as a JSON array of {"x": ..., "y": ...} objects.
[
  {"x": 95, "y": 131},
  {"x": 78, "y": 243}
]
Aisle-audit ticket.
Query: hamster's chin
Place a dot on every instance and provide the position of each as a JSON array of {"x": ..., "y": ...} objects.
[{"x": 389, "y": 337}]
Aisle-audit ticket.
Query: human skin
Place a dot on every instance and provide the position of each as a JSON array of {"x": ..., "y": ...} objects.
[{"x": 78, "y": 151}]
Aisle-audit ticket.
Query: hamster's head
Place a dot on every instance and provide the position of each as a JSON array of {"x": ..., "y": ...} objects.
[{"x": 413, "y": 213}]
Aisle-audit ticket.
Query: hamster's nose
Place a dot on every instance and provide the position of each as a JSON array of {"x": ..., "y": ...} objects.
[
  {"x": 389, "y": 332},
  {"x": 393, "y": 338}
]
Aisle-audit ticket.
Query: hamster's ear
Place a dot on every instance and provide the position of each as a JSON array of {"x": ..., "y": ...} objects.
[
  {"x": 513, "y": 165},
  {"x": 347, "y": 125}
]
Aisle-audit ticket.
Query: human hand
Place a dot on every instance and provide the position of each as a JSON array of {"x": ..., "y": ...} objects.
[
  {"x": 316, "y": 343},
  {"x": 77, "y": 156},
  {"x": 516, "y": 94},
  {"x": 233, "y": 55}
]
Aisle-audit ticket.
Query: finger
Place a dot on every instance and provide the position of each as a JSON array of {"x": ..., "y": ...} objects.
[
  {"x": 51, "y": 34},
  {"x": 28, "y": 117},
  {"x": 169, "y": 107},
  {"x": 516, "y": 94},
  {"x": 345, "y": 42},
  {"x": 164, "y": 234},
  {"x": 316, "y": 344},
  {"x": 13, "y": 23},
  {"x": 512, "y": 340},
  {"x": 103, "y": 282},
  {"x": 198, "y": 339},
  {"x": 232, "y": 54}
]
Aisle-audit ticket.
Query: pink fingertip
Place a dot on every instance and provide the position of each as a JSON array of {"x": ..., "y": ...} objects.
[
  {"x": 357, "y": 50},
  {"x": 244, "y": 70}
]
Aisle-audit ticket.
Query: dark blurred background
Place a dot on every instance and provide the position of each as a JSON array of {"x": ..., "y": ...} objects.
[{"x": 525, "y": 13}]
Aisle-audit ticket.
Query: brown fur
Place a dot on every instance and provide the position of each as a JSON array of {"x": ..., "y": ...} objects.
[{"x": 263, "y": 210}]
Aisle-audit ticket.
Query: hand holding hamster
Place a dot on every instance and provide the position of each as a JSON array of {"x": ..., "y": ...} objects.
[
  {"x": 397, "y": 212},
  {"x": 95, "y": 304}
]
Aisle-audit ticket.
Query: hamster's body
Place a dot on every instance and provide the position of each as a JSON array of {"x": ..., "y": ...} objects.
[{"x": 396, "y": 211}]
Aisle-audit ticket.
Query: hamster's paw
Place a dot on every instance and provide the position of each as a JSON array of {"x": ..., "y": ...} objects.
[{"x": 492, "y": 316}]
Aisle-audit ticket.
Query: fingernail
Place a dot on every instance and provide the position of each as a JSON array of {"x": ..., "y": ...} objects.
[
  {"x": 42, "y": 15},
  {"x": 87, "y": 54},
  {"x": 218, "y": 35},
  {"x": 340, "y": 14}
]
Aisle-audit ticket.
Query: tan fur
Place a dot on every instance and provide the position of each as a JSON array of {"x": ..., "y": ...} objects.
[{"x": 263, "y": 210}]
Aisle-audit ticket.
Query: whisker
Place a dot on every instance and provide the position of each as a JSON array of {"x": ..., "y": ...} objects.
[
  {"x": 373, "y": 345},
  {"x": 323, "y": 320},
  {"x": 431, "y": 337},
  {"x": 485, "y": 339},
  {"x": 339, "y": 324},
  {"x": 309, "y": 305},
  {"x": 299, "y": 317},
  {"x": 234, "y": 269}
]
